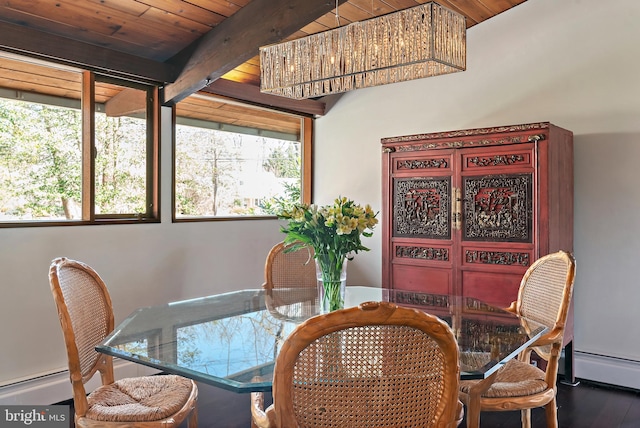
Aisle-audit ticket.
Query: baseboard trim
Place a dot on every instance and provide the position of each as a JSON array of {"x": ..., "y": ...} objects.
[
  {"x": 607, "y": 370},
  {"x": 56, "y": 387}
]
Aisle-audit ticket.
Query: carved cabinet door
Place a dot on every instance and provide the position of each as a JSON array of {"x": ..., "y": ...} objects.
[
  {"x": 497, "y": 220},
  {"x": 420, "y": 200}
]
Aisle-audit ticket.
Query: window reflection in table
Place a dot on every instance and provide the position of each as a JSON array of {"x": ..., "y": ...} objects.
[{"x": 229, "y": 339}]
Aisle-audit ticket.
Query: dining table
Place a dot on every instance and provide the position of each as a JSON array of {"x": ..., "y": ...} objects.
[{"x": 231, "y": 340}]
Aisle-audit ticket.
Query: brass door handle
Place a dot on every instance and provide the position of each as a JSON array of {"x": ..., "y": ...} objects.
[{"x": 456, "y": 207}]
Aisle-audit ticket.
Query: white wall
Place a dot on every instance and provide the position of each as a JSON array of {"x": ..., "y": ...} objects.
[
  {"x": 574, "y": 63},
  {"x": 141, "y": 265}
]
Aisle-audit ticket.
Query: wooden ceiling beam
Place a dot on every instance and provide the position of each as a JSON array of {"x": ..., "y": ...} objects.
[
  {"x": 251, "y": 94},
  {"x": 126, "y": 102},
  {"x": 237, "y": 40},
  {"x": 22, "y": 40}
]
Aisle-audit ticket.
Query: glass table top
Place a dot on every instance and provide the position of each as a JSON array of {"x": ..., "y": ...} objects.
[{"x": 230, "y": 340}]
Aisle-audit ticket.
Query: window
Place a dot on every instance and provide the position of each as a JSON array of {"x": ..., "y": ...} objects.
[
  {"x": 75, "y": 148},
  {"x": 237, "y": 161}
]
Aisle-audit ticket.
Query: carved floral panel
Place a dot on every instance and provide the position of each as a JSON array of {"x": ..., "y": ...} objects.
[
  {"x": 498, "y": 208},
  {"x": 422, "y": 207}
]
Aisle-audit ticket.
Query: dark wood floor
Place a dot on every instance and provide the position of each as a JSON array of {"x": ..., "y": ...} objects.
[
  {"x": 587, "y": 405},
  {"x": 584, "y": 406}
]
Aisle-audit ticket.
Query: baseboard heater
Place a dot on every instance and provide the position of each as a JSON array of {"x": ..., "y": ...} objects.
[
  {"x": 607, "y": 370},
  {"x": 56, "y": 387}
]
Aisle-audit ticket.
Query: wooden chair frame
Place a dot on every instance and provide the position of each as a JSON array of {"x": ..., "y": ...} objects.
[
  {"x": 548, "y": 346},
  {"x": 82, "y": 371},
  {"x": 282, "y": 412}
]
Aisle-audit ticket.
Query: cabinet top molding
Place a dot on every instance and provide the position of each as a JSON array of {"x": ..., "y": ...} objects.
[{"x": 468, "y": 133}]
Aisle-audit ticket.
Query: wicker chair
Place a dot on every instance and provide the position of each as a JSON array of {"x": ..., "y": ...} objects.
[
  {"x": 544, "y": 297},
  {"x": 294, "y": 269},
  {"x": 290, "y": 283},
  {"x": 86, "y": 316},
  {"x": 368, "y": 366}
]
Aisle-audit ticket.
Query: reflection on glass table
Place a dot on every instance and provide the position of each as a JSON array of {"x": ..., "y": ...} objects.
[{"x": 232, "y": 339}]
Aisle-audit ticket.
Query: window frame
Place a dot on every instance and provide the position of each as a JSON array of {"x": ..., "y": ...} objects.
[
  {"x": 87, "y": 112},
  {"x": 306, "y": 173}
]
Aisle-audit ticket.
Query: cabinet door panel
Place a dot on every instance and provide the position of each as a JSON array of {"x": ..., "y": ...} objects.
[
  {"x": 495, "y": 288},
  {"x": 421, "y": 278}
]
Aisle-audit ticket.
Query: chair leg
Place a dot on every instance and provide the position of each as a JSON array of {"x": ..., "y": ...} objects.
[
  {"x": 473, "y": 412},
  {"x": 525, "y": 415},
  {"x": 193, "y": 419},
  {"x": 551, "y": 411}
]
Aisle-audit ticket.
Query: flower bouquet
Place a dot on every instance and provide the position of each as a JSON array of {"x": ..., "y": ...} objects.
[{"x": 334, "y": 233}]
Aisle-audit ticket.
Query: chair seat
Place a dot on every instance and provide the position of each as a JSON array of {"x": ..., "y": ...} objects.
[
  {"x": 515, "y": 379},
  {"x": 139, "y": 399}
]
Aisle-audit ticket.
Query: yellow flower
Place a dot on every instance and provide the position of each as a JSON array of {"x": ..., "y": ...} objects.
[{"x": 333, "y": 229}]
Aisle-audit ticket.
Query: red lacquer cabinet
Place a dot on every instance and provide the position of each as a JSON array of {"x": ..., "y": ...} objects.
[{"x": 467, "y": 212}]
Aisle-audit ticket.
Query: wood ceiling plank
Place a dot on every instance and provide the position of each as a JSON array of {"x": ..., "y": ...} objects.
[
  {"x": 472, "y": 9},
  {"x": 33, "y": 69},
  {"x": 29, "y": 87},
  {"x": 353, "y": 13},
  {"x": 402, "y": 4},
  {"x": 121, "y": 29},
  {"x": 68, "y": 32},
  {"x": 249, "y": 67},
  {"x": 314, "y": 27},
  {"x": 248, "y": 118},
  {"x": 186, "y": 11},
  {"x": 69, "y": 13},
  {"x": 330, "y": 21},
  {"x": 135, "y": 8},
  {"x": 154, "y": 15},
  {"x": 374, "y": 7},
  {"x": 499, "y": 6},
  {"x": 236, "y": 75},
  {"x": 37, "y": 79},
  {"x": 18, "y": 39},
  {"x": 238, "y": 38},
  {"x": 224, "y": 8}
]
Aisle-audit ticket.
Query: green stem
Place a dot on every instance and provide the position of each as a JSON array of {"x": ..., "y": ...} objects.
[{"x": 331, "y": 267}]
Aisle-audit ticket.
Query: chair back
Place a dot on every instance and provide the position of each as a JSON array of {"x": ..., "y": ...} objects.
[
  {"x": 293, "y": 269},
  {"x": 545, "y": 294},
  {"x": 86, "y": 317},
  {"x": 368, "y": 366}
]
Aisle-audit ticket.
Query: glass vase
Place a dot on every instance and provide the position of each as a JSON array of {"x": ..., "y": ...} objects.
[{"x": 331, "y": 273}]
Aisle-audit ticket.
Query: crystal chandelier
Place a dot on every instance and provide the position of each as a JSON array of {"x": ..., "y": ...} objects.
[{"x": 422, "y": 41}]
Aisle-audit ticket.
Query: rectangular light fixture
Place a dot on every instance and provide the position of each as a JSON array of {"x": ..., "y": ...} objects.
[{"x": 422, "y": 41}]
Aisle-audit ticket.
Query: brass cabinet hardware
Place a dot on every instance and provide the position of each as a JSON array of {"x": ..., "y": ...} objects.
[
  {"x": 456, "y": 206},
  {"x": 535, "y": 138}
]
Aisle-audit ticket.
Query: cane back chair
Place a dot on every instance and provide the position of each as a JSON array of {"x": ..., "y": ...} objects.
[
  {"x": 368, "y": 366},
  {"x": 86, "y": 316},
  {"x": 289, "y": 269},
  {"x": 544, "y": 297},
  {"x": 290, "y": 282}
]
